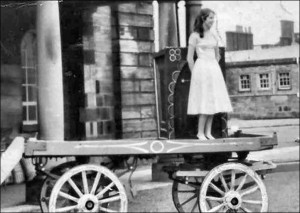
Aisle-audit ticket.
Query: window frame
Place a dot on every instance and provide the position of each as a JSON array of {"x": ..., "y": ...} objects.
[
  {"x": 27, "y": 67},
  {"x": 283, "y": 87},
  {"x": 240, "y": 83},
  {"x": 259, "y": 81}
]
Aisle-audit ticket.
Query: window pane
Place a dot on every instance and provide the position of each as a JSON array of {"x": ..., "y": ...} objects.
[
  {"x": 32, "y": 96},
  {"x": 24, "y": 93},
  {"x": 284, "y": 80},
  {"x": 264, "y": 80},
  {"x": 32, "y": 113},
  {"x": 23, "y": 76},
  {"x": 245, "y": 81},
  {"x": 31, "y": 76},
  {"x": 24, "y": 113}
]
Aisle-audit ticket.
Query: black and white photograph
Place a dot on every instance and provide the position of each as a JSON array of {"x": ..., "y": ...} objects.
[{"x": 149, "y": 106}]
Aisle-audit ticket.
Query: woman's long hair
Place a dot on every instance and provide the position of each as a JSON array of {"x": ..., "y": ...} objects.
[{"x": 198, "y": 24}]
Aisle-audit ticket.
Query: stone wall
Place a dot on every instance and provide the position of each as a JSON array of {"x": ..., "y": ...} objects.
[
  {"x": 98, "y": 74},
  {"x": 259, "y": 104},
  {"x": 133, "y": 45},
  {"x": 118, "y": 42}
]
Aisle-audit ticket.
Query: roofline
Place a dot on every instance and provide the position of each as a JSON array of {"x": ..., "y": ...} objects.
[{"x": 268, "y": 62}]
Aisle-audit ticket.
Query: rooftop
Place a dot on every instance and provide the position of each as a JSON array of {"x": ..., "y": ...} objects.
[{"x": 279, "y": 52}]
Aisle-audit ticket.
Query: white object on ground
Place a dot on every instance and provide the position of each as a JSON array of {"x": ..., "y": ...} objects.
[{"x": 11, "y": 157}]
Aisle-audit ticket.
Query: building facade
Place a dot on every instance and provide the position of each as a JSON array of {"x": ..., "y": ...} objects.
[
  {"x": 90, "y": 80},
  {"x": 106, "y": 53},
  {"x": 264, "y": 83}
]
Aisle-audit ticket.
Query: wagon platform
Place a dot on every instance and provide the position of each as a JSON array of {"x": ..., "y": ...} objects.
[{"x": 144, "y": 146}]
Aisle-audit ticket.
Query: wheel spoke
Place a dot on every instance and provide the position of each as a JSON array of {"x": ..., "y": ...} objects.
[
  {"x": 216, "y": 208},
  {"x": 71, "y": 182},
  {"x": 188, "y": 200},
  {"x": 95, "y": 184},
  {"x": 216, "y": 188},
  {"x": 65, "y": 209},
  {"x": 105, "y": 190},
  {"x": 85, "y": 182},
  {"x": 245, "y": 209},
  {"x": 256, "y": 202},
  {"x": 224, "y": 182},
  {"x": 67, "y": 196},
  {"x": 250, "y": 191},
  {"x": 242, "y": 182},
  {"x": 195, "y": 205},
  {"x": 232, "y": 179},
  {"x": 214, "y": 198},
  {"x": 106, "y": 209},
  {"x": 208, "y": 203},
  {"x": 110, "y": 199}
]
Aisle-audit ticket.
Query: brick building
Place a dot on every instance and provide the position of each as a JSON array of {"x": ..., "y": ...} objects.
[
  {"x": 76, "y": 70},
  {"x": 106, "y": 53},
  {"x": 264, "y": 83}
]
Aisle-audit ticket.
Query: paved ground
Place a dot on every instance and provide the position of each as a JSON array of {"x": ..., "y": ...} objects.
[
  {"x": 287, "y": 151},
  {"x": 283, "y": 195}
]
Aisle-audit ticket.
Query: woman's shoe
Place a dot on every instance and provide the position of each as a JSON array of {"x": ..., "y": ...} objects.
[
  {"x": 201, "y": 137},
  {"x": 209, "y": 137}
]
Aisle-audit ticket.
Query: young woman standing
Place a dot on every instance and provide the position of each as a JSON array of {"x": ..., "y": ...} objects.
[{"x": 208, "y": 93}]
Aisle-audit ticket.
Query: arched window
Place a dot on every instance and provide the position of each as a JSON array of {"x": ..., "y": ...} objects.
[{"x": 29, "y": 84}]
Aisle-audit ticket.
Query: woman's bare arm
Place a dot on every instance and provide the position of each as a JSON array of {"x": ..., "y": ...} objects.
[
  {"x": 190, "y": 56},
  {"x": 217, "y": 52}
]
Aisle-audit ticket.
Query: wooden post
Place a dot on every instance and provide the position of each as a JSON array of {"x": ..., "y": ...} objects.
[{"x": 50, "y": 79}]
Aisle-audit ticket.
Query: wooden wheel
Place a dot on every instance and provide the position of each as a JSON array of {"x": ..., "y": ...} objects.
[
  {"x": 50, "y": 182},
  {"x": 239, "y": 189},
  {"x": 88, "y": 188},
  {"x": 185, "y": 194}
]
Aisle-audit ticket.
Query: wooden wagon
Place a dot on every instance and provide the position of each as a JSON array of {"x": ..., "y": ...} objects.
[
  {"x": 208, "y": 180},
  {"x": 214, "y": 175}
]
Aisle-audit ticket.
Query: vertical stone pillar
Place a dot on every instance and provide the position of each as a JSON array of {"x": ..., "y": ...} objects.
[
  {"x": 98, "y": 114},
  {"x": 133, "y": 47},
  {"x": 168, "y": 35},
  {"x": 50, "y": 79},
  {"x": 192, "y": 10}
]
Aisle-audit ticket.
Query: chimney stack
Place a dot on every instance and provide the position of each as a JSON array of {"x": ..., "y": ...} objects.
[{"x": 287, "y": 32}]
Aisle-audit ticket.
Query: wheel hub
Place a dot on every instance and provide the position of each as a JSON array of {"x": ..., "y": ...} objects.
[
  {"x": 88, "y": 203},
  {"x": 233, "y": 200}
]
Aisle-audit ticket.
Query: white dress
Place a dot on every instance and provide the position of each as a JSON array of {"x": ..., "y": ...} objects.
[{"x": 208, "y": 92}]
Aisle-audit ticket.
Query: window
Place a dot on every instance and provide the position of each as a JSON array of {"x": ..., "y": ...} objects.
[
  {"x": 29, "y": 84},
  {"x": 284, "y": 80},
  {"x": 244, "y": 83},
  {"x": 264, "y": 81}
]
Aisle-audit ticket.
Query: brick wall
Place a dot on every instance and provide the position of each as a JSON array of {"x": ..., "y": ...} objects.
[
  {"x": 118, "y": 42},
  {"x": 98, "y": 113},
  {"x": 133, "y": 45},
  {"x": 257, "y": 104}
]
